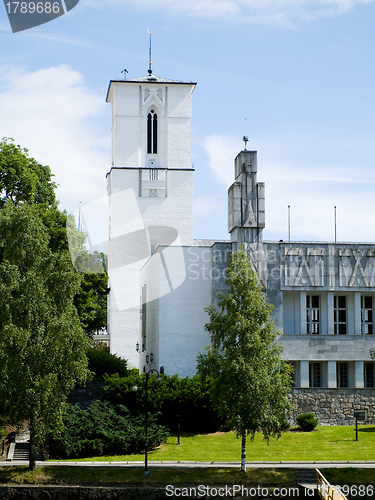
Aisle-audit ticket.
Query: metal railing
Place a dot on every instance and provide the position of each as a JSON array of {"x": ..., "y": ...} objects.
[{"x": 326, "y": 490}]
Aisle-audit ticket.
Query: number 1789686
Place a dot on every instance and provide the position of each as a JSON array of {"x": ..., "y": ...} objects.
[{"x": 33, "y": 8}]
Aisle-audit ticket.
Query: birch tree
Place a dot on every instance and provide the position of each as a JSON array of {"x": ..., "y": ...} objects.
[{"x": 250, "y": 380}]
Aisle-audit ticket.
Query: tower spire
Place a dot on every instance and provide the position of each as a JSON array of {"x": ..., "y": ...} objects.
[{"x": 149, "y": 59}]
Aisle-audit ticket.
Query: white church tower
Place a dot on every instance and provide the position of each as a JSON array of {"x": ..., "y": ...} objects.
[{"x": 150, "y": 190}]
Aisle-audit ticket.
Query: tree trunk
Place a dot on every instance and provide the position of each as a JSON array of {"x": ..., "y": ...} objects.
[
  {"x": 32, "y": 462},
  {"x": 243, "y": 455}
]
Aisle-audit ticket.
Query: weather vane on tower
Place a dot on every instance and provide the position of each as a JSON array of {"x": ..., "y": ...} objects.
[{"x": 245, "y": 138}]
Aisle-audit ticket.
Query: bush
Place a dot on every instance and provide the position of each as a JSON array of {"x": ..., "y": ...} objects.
[
  {"x": 307, "y": 421},
  {"x": 102, "y": 362},
  {"x": 104, "y": 429},
  {"x": 188, "y": 397},
  {"x": 284, "y": 425}
]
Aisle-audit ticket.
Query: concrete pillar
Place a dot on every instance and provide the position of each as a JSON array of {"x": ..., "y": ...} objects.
[
  {"x": 359, "y": 374},
  {"x": 330, "y": 328},
  {"x": 331, "y": 374},
  {"x": 357, "y": 313},
  {"x": 304, "y": 373},
  {"x": 302, "y": 312}
]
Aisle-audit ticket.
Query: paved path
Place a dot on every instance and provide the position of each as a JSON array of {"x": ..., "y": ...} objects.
[{"x": 183, "y": 464}]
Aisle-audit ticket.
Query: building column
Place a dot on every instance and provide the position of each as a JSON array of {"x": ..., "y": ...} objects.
[
  {"x": 302, "y": 312},
  {"x": 331, "y": 374},
  {"x": 304, "y": 374},
  {"x": 359, "y": 375},
  {"x": 330, "y": 325},
  {"x": 357, "y": 313}
]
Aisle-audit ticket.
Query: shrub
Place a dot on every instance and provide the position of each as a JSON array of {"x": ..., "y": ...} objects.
[
  {"x": 307, "y": 421},
  {"x": 102, "y": 362},
  {"x": 284, "y": 425},
  {"x": 104, "y": 429},
  {"x": 188, "y": 397}
]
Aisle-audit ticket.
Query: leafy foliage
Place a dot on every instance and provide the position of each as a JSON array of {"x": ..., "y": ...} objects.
[
  {"x": 91, "y": 302},
  {"x": 188, "y": 397},
  {"x": 307, "y": 421},
  {"x": 250, "y": 381},
  {"x": 23, "y": 179},
  {"x": 42, "y": 345},
  {"x": 104, "y": 429},
  {"x": 102, "y": 362}
]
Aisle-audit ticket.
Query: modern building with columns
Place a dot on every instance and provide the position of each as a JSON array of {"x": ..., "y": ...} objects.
[{"x": 161, "y": 279}]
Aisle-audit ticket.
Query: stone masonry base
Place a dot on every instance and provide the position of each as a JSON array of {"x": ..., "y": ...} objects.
[{"x": 332, "y": 406}]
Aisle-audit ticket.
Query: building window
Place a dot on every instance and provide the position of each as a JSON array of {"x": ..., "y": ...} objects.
[
  {"x": 366, "y": 315},
  {"x": 339, "y": 314},
  {"x": 312, "y": 314},
  {"x": 152, "y": 132},
  {"x": 314, "y": 375},
  {"x": 342, "y": 374},
  {"x": 369, "y": 374}
]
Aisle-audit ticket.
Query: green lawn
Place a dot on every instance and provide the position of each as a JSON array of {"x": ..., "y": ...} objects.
[
  {"x": 129, "y": 476},
  {"x": 324, "y": 443}
]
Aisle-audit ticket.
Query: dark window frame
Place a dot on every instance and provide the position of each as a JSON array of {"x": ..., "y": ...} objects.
[{"x": 152, "y": 132}]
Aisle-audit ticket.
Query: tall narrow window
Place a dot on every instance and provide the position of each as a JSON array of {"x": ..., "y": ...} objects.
[
  {"x": 369, "y": 374},
  {"x": 315, "y": 375},
  {"x": 366, "y": 315},
  {"x": 342, "y": 374},
  {"x": 312, "y": 314},
  {"x": 339, "y": 314},
  {"x": 143, "y": 317},
  {"x": 152, "y": 132}
]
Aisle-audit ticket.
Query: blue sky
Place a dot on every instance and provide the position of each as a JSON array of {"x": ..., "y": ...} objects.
[{"x": 301, "y": 72}]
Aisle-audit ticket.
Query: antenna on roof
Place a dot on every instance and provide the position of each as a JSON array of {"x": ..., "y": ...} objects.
[
  {"x": 124, "y": 71},
  {"x": 79, "y": 218},
  {"x": 335, "y": 217},
  {"x": 149, "y": 59}
]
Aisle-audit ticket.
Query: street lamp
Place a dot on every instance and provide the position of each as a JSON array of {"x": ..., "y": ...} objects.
[{"x": 149, "y": 358}]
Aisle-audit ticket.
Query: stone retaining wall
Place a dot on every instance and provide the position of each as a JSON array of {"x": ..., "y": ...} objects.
[
  {"x": 78, "y": 493},
  {"x": 118, "y": 493},
  {"x": 332, "y": 406}
]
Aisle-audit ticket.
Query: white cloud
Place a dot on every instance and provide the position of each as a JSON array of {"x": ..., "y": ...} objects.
[
  {"x": 55, "y": 115},
  {"x": 279, "y": 12}
]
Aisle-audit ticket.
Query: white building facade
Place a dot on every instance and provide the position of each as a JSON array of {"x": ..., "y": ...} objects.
[
  {"x": 150, "y": 190},
  {"x": 161, "y": 280}
]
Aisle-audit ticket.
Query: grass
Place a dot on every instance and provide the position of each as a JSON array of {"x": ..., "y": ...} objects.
[
  {"x": 324, "y": 443},
  {"x": 349, "y": 476},
  {"x": 159, "y": 477}
]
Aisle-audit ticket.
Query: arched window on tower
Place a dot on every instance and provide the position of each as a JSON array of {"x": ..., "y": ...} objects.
[{"x": 152, "y": 132}]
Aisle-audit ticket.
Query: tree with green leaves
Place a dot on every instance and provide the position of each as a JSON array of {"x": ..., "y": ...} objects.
[
  {"x": 23, "y": 179},
  {"x": 42, "y": 344},
  {"x": 250, "y": 381}
]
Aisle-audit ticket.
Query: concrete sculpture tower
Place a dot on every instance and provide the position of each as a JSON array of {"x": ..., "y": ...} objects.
[
  {"x": 246, "y": 201},
  {"x": 150, "y": 189}
]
